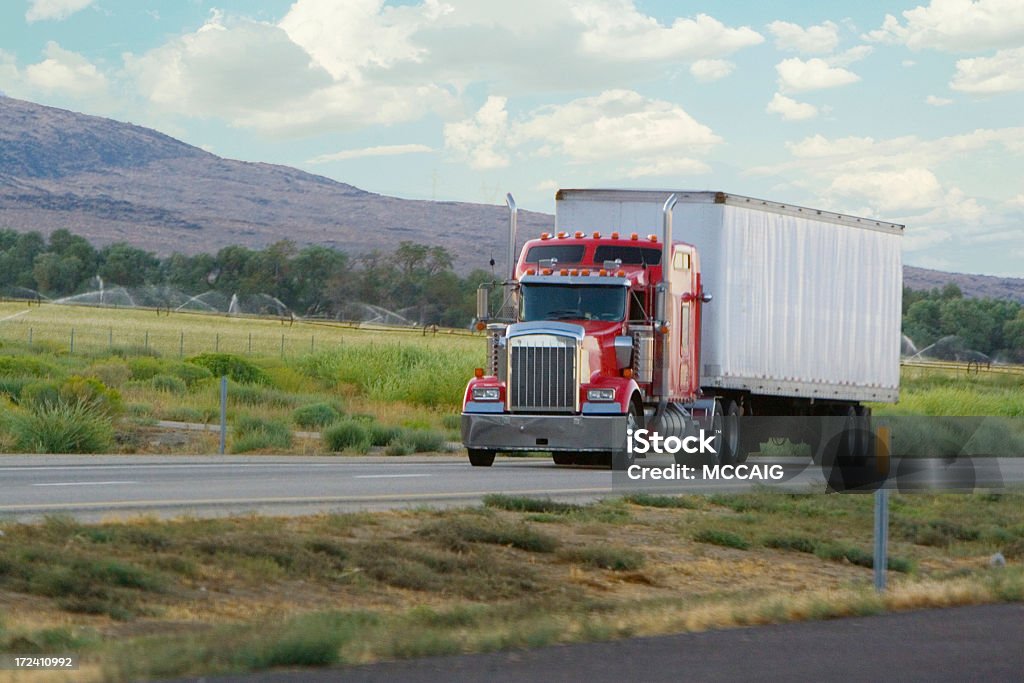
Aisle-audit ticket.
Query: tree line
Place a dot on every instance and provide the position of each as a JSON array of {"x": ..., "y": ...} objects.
[
  {"x": 314, "y": 281},
  {"x": 318, "y": 281},
  {"x": 992, "y": 327}
]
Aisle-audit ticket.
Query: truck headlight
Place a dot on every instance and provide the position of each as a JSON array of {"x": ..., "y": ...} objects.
[
  {"x": 486, "y": 394},
  {"x": 600, "y": 394}
]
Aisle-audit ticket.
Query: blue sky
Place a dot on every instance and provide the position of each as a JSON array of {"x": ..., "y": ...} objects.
[{"x": 898, "y": 110}]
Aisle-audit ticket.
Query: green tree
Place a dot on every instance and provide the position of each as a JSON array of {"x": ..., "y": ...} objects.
[{"x": 129, "y": 266}]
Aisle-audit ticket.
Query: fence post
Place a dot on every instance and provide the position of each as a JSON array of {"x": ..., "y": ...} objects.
[
  {"x": 216, "y": 344},
  {"x": 181, "y": 345},
  {"x": 30, "y": 337},
  {"x": 282, "y": 345},
  {"x": 72, "y": 340},
  {"x": 146, "y": 343},
  {"x": 881, "y": 537},
  {"x": 223, "y": 412},
  {"x": 311, "y": 337},
  {"x": 250, "y": 343},
  {"x": 110, "y": 338}
]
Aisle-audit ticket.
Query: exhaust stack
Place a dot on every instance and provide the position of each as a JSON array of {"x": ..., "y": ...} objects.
[{"x": 510, "y": 200}]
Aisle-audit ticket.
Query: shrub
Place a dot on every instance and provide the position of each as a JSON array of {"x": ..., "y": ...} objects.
[
  {"x": 86, "y": 390},
  {"x": 26, "y": 366},
  {"x": 252, "y": 433},
  {"x": 524, "y": 504},
  {"x": 113, "y": 373},
  {"x": 190, "y": 373},
  {"x": 423, "y": 441},
  {"x": 13, "y": 386},
  {"x": 315, "y": 415},
  {"x": 169, "y": 384},
  {"x": 347, "y": 433},
  {"x": 146, "y": 367},
  {"x": 399, "y": 447},
  {"x": 616, "y": 558},
  {"x": 246, "y": 395},
  {"x": 382, "y": 435},
  {"x": 235, "y": 367},
  {"x": 452, "y": 422},
  {"x": 725, "y": 539},
  {"x": 61, "y": 428}
]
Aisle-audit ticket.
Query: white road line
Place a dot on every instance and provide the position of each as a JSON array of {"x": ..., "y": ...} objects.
[
  {"x": 86, "y": 483},
  {"x": 389, "y": 476}
]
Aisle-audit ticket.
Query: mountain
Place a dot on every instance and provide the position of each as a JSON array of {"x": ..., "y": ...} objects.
[
  {"x": 110, "y": 181},
  {"x": 974, "y": 286}
]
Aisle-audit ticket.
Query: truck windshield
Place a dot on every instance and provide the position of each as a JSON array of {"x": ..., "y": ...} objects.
[{"x": 572, "y": 302}]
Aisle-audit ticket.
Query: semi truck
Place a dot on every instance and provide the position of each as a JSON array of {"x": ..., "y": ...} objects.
[{"x": 681, "y": 311}]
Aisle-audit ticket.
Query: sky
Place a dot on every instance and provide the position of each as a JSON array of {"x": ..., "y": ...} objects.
[{"x": 911, "y": 113}]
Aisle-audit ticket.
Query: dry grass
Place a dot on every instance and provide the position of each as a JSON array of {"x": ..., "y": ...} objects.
[{"x": 361, "y": 587}]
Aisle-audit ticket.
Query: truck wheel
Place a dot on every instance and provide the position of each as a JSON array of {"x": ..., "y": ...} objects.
[
  {"x": 478, "y": 457},
  {"x": 849, "y": 441},
  {"x": 621, "y": 457},
  {"x": 563, "y": 458},
  {"x": 731, "y": 453}
]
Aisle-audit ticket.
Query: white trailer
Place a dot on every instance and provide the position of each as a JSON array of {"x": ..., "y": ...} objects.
[{"x": 806, "y": 303}]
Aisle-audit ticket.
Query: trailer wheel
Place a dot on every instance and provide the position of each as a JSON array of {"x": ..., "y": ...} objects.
[
  {"x": 479, "y": 457},
  {"x": 849, "y": 439},
  {"x": 731, "y": 453}
]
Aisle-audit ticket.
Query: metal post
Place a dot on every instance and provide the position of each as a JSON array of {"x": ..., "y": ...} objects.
[
  {"x": 30, "y": 336},
  {"x": 110, "y": 338},
  {"x": 223, "y": 412},
  {"x": 146, "y": 344},
  {"x": 250, "y": 343},
  {"x": 181, "y": 344},
  {"x": 72, "y": 340},
  {"x": 282, "y": 346},
  {"x": 311, "y": 343},
  {"x": 216, "y": 344},
  {"x": 881, "y": 537}
]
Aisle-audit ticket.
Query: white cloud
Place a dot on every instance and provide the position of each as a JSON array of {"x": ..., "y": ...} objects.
[
  {"x": 956, "y": 25},
  {"x": 890, "y": 191},
  {"x": 340, "y": 65},
  {"x": 616, "y": 27},
  {"x": 40, "y": 10},
  {"x": 820, "y": 39},
  {"x": 848, "y": 57},
  {"x": 669, "y": 167},
  {"x": 548, "y": 185},
  {"x": 65, "y": 72},
  {"x": 1003, "y": 72},
  {"x": 377, "y": 151},
  {"x": 1017, "y": 200},
  {"x": 618, "y": 125},
  {"x": 796, "y": 75},
  {"x": 477, "y": 140},
  {"x": 791, "y": 110},
  {"x": 936, "y": 101},
  {"x": 711, "y": 69}
]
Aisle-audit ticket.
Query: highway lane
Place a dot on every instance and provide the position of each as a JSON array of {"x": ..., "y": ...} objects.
[{"x": 98, "y": 487}]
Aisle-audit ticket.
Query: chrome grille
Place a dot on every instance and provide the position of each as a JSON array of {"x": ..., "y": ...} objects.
[{"x": 542, "y": 373}]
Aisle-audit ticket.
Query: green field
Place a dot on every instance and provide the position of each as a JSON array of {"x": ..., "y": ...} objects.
[{"x": 381, "y": 380}]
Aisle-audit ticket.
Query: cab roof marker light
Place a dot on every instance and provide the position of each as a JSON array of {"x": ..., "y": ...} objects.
[
  {"x": 652, "y": 238},
  {"x": 545, "y": 235},
  {"x": 634, "y": 237},
  {"x": 579, "y": 235},
  {"x": 615, "y": 235},
  {"x": 597, "y": 235},
  {"x": 563, "y": 271},
  {"x": 562, "y": 235}
]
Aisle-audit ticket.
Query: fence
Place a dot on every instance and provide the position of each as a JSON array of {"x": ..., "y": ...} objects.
[{"x": 86, "y": 329}]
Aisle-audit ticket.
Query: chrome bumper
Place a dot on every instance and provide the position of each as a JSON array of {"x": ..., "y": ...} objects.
[{"x": 512, "y": 432}]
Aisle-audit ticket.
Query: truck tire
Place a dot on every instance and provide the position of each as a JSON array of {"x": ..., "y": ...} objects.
[
  {"x": 731, "y": 453},
  {"x": 622, "y": 458},
  {"x": 479, "y": 457},
  {"x": 564, "y": 458}
]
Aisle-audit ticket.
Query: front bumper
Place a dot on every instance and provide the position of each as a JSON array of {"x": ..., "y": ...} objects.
[{"x": 513, "y": 432}]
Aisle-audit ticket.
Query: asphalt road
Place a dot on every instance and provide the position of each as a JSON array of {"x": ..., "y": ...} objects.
[
  {"x": 980, "y": 643},
  {"x": 94, "y": 487}
]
